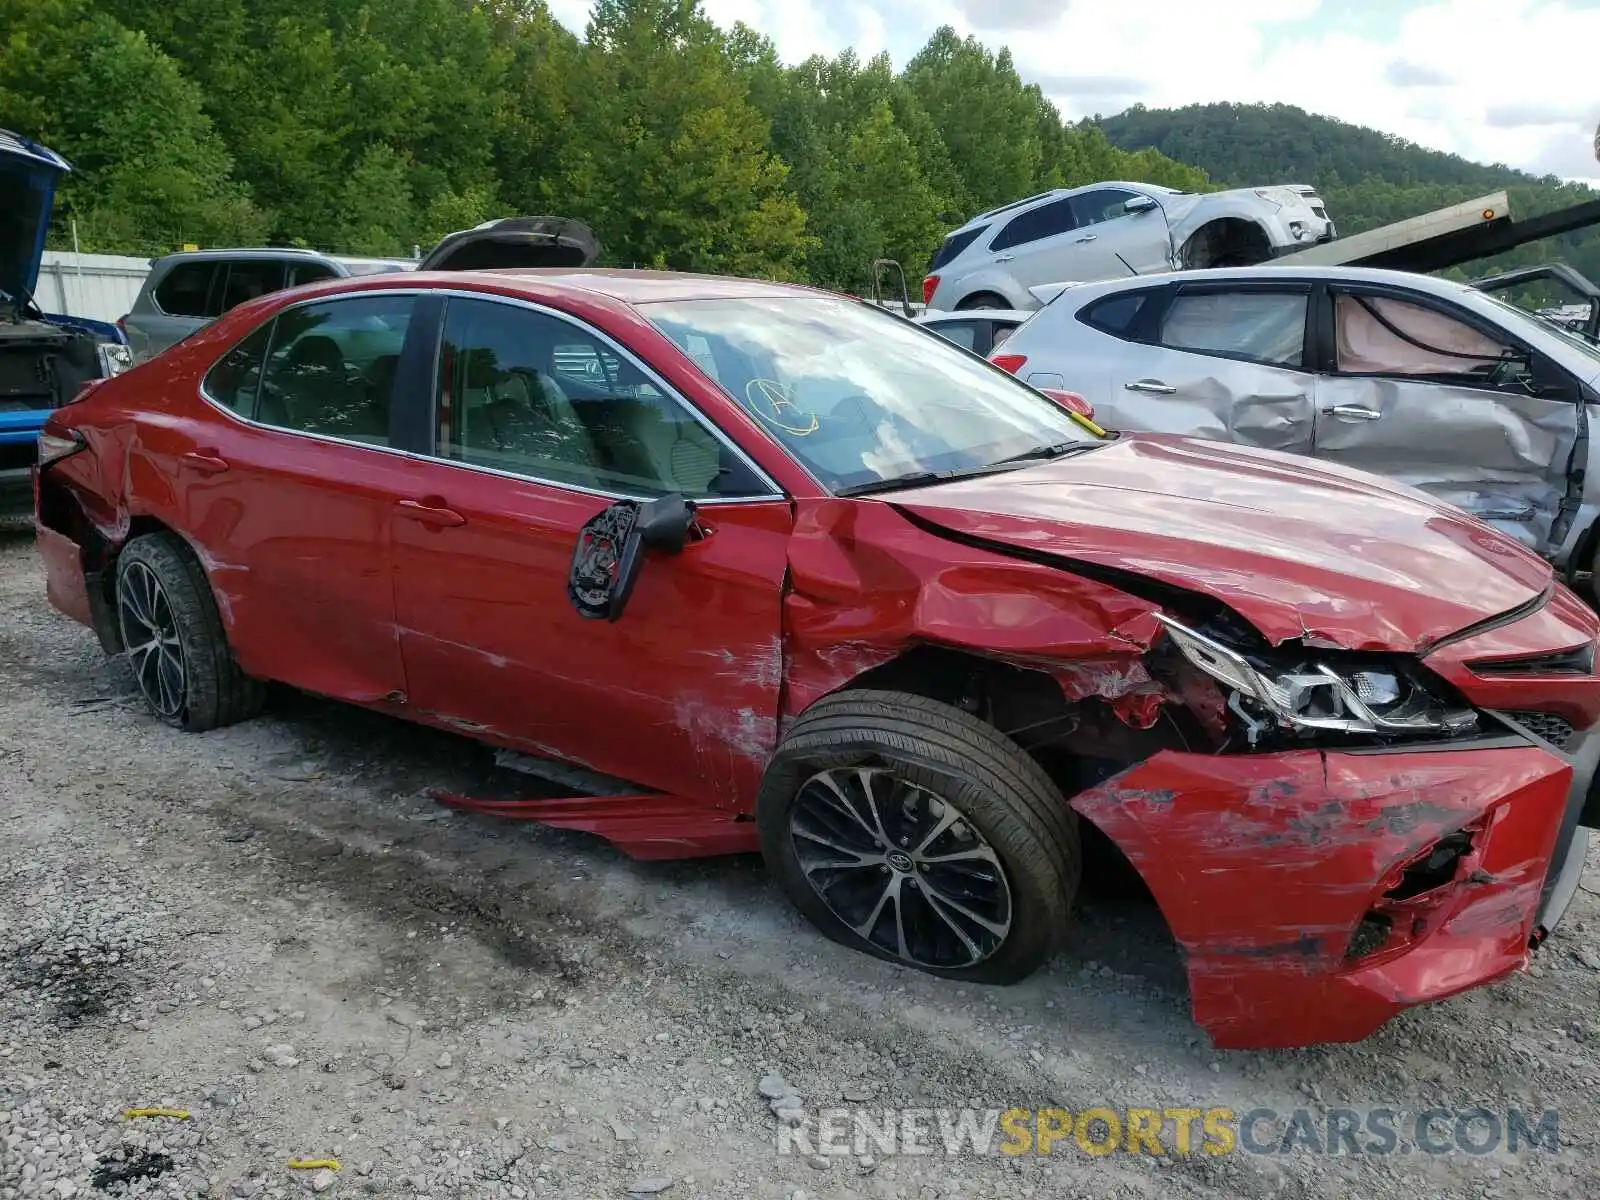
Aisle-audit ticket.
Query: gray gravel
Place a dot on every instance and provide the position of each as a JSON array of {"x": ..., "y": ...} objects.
[{"x": 273, "y": 929}]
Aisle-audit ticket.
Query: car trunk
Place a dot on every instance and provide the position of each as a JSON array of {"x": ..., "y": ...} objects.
[{"x": 515, "y": 242}]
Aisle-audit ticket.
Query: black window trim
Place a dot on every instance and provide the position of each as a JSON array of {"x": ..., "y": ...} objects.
[
  {"x": 1146, "y": 326},
  {"x": 1305, "y": 287},
  {"x": 671, "y": 393}
]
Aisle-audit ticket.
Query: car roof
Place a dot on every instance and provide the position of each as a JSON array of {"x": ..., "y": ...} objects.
[
  {"x": 634, "y": 286},
  {"x": 216, "y": 253},
  {"x": 1273, "y": 274},
  {"x": 1017, "y": 206}
]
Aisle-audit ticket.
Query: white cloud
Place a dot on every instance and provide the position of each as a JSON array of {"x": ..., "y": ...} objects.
[{"x": 1494, "y": 80}]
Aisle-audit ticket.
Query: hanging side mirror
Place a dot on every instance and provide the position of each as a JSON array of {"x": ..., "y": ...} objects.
[{"x": 611, "y": 549}]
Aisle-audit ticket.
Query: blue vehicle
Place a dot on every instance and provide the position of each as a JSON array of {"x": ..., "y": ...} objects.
[{"x": 44, "y": 358}]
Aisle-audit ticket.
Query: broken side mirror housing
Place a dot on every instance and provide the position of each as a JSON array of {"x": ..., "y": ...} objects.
[{"x": 610, "y": 551}]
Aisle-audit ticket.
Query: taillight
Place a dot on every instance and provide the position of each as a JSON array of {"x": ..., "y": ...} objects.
[
  {"x": 930, "y": 285},
  {"x": 1009, "y": 362},
  {"x": 53, "y": 447}
]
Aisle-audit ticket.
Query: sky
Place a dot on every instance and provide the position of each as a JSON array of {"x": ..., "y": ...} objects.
[{"x": 1512, "y": 81}]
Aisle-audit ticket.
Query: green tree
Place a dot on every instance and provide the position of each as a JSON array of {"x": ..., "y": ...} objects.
[{"x": 149, "y": 170}]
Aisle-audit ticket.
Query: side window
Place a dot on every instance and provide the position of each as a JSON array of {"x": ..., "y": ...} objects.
[
  {"x": 249, "y": 278},
  {"x": 1042, "y": 222},
  {"x": 1120, "y": 314},
  {"x": 1102, "y": 204},
  {"x": 962, "y": 333},
  {"x": 186, "y": 290},
  {"x": 309, "y": 272},
  {"x": 331, "y": 367},
  {"x": 1263, "y": 327},
  {"x": 235, "y": 380},
  {"x": 1379, "y": 335},
  {"x": 534, "y": 395}
]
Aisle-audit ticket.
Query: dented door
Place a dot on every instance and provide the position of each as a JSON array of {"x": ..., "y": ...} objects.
[{"x": 1434, "y": 399}]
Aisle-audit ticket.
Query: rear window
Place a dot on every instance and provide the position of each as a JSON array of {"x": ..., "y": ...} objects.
[
  {"x": 186, "y": 291},
  {"x": 954, "y": 245},
  {"x": 1117, "y": 315}
]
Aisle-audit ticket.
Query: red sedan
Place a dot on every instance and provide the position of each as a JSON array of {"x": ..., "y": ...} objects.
[{"x": 817, "y": 584}]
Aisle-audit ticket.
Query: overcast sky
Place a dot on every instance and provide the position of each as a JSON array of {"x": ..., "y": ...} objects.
[{"x": 1514, "y": 81}]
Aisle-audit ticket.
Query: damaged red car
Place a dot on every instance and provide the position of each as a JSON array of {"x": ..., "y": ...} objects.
[{"x": 794, "y": 577}]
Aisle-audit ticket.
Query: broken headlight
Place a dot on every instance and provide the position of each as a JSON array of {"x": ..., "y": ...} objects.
[
  {"x": 1319, "y": 695},
  {"x": 114, "y": 359}
]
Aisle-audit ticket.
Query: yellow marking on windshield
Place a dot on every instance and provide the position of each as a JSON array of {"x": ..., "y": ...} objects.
[{"x": 771, "y": 401}]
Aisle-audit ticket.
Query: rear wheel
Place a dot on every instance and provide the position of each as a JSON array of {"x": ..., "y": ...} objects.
[
  {"x": 913, "y": 831},
  {"x": 173, "y": 638},
  {"x": 982, "y": 300}
]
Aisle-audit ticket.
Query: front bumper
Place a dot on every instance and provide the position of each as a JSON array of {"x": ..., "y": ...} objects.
[{"x": 1267, "y": 866}]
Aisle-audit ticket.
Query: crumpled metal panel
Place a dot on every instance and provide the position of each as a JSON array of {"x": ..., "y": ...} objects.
[
  {"x": 1501, "y": 456},
  {"x": 1215, "y": 398},
  {"x": 1301, "y": 549},
  {"x": 1319, "y": 832}
]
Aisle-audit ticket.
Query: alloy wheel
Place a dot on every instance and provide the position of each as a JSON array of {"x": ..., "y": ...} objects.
[
  {"x": 150, "y": 635},
  {"x": 901, "y": 866}
]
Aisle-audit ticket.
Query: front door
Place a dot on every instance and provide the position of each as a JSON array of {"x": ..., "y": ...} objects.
[
  {"x": 1439, "y": 398},
  {"x": 291, "y": 505},
  {"x": 1221, "y": 361},
  {"x": 1110, "y": 241},
  {"x": 542, "y": 426}
]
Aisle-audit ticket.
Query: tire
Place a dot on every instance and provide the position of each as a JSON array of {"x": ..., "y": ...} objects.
[
  {"x": 982, "y": 300},
  {"x": 161, "y": 586},
  {"x": 928, "y": 758}
]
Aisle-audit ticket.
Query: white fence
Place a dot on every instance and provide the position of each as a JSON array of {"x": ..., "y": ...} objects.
[{"x": 101, "y": 287}]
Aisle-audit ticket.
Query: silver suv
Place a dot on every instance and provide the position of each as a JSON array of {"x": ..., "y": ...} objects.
[
  {"x": 187, "y": 291},
  {"x": 1114, "y": 230}
]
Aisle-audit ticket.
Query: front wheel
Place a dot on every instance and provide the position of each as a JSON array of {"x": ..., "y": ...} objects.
[
  {"x": 173, "y": 638},
  {"x": 915, "y": 832}
]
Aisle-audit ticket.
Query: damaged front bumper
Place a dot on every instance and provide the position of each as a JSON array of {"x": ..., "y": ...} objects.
[{"x": 1317, "y": 893}]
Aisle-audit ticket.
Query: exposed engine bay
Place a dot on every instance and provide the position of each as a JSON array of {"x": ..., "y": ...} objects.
[{"x": 42, "y": 366}]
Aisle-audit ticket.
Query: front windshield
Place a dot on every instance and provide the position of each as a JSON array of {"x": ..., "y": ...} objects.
[
  {"x": 1526, "y": 320},
  {"x": 859, "y": 396}
]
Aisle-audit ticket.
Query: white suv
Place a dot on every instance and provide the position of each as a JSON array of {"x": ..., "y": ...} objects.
[{"x": 1113, "y": 230}]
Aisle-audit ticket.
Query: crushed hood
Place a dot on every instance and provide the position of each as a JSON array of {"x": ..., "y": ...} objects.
[
  {"x": 1298, "y": 548},
  {"x": 29, "y": 173},
  {"x": 515, "y": 242}
]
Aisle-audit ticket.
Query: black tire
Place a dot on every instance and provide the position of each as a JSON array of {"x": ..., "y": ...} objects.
[
  {"x": 982, "y": 300},
  {"x": 931, "y": 749},
  {"x": 214, "y": 691}
]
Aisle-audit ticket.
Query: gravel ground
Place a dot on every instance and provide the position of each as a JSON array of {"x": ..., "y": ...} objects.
[{"x": 273, "y": 929}]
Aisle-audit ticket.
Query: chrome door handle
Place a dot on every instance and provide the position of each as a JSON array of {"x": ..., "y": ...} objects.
[
  {"x": 1354, "y": 411},
  {"x": 1004, "y": 257},
  {"x": 1088, "y": 237},
  {"x": 1150, "y": 385}
]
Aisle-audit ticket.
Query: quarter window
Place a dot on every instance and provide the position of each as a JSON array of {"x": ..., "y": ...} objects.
[
  {"x": 235, "y": 380},
  {"x": 1119, "y": 314},
  {"x": 533, "y": 395},
  {"x": 1263, "y": 327},
  {"x": 186, "y": 290}
]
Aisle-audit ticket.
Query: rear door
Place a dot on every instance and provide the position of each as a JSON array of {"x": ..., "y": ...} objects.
[
  {"x": 1224, "y": 361},
  {"x": 1441, "y": 398},
  {"x": 291, "y": 489},
  {"x": 1039, "y": 245},
  {"x": 1110, "y": 241}
]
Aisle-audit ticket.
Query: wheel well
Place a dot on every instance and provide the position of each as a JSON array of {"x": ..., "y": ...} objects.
[
  {"x": 100, "y": 561},
  {"x": 1232, "y": 241},
  {"x": 976, "y": 300}
]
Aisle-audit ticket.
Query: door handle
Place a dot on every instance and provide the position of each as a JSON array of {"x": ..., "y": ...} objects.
[
  {"x": 431, "y": 511},
  {"x": 1088, "y": 237},
  {"x": 207, "y": 462},
  {"x": 1354, "y": 412},
  {"x": 1004, "y": 257},
  {"x": 1154, "y": 386}
]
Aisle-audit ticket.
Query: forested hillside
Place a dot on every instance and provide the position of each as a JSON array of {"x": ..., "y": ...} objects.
[
  {"x": 1368, "y": 178},
  {"x": 358, "y": 126}
]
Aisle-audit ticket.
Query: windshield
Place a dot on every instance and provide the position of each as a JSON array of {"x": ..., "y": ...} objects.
[
  {"x": 1525, "y": 320},
  {"x": 859, "y": 396}
]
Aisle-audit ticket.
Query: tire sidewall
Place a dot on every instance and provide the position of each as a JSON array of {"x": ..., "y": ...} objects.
[
  {"x": 1034, "y": 935},
  {"x": 193, "y": 641}
]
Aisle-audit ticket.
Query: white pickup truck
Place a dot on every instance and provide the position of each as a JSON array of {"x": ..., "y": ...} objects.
[{"x": 1110, "y": 230}]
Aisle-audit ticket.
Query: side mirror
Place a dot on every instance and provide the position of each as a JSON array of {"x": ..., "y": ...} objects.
[
  {"x": 610, "y": 551},
  {"x": 1139, "y": 204}
]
